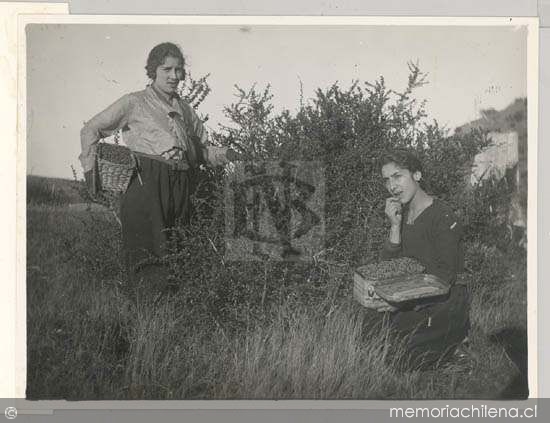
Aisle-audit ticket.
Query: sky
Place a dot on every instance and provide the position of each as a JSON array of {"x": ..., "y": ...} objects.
[{"x": 76, "y": 70}]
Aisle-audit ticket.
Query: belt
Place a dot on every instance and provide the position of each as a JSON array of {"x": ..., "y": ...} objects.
[{"x": 173, "y": 164}]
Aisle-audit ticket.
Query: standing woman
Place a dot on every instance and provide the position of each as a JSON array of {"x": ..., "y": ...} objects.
[
  {"x": 426, "y": 229},
  {"x": 169, "y": 142}
]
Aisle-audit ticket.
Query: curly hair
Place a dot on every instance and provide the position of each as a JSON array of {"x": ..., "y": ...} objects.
[
  {"x": 403, "y": 158},
  {"x": 158, "y": 55}
]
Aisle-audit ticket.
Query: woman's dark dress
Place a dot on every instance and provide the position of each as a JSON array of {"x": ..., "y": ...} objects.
[{"x": 433, "y": 330}]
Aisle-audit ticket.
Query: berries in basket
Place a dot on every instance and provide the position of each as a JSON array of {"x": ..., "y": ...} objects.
[
  {"x": 116, "y": 165},
  {"x": 386, "y": 285}
]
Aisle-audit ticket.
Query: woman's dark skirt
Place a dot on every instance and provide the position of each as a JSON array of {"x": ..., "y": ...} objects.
[
  {"x": 433, "y": 333},
  {"x": 151, "y": 205}
]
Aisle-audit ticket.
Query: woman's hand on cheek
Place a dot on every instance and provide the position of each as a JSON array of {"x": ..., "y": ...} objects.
[{"x": 393, "y": 211}]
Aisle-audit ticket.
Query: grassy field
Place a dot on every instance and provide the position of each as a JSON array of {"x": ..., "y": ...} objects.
[{"x": 92, "y": 337}]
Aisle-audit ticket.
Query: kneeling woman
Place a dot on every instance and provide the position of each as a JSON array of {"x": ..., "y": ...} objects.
[{"x": 426, "y": 229}]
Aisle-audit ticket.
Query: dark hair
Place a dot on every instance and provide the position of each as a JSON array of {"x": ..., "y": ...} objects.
[
  {"x": 405, "y": 159},
  {"x": 158, "y": 55}
]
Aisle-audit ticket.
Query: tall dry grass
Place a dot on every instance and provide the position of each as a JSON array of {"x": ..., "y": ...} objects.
[{"x": 91, "y": 338}]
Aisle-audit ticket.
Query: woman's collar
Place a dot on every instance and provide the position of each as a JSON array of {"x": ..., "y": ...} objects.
[{"x": 167, "y": 98}]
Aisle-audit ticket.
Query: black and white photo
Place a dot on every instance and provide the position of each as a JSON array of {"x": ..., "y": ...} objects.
[{"x": 278, "y": 208}]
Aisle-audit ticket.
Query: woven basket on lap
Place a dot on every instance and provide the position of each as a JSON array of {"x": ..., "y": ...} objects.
[{"x": 116, "y": 165}]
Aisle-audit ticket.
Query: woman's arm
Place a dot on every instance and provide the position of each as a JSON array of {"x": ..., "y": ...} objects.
[
  {"x": 214, "y": 156},
  {"x": 102, "y": 125},
  {"x": 390, "y": 250},
  {"x": 392, "y": 246}
]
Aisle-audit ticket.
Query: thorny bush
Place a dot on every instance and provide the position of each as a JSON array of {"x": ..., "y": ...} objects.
[{"x": 346, "y": 130}]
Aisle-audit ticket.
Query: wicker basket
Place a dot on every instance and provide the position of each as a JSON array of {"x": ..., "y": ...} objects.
[{"x": 116, "y": 165}]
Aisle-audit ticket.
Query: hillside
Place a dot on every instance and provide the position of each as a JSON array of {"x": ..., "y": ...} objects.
[
  {"x": 511, "y": 118},
  {"x": 54, "y": 191}
]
